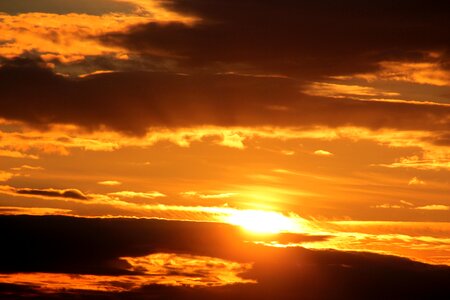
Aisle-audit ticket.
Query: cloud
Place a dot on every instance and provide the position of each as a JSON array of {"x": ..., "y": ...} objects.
[
  {"x": 168, "y": 269},
  {"x": 334, "y": 90},
  {"x": 323, "y": 153},
  {"x": 90, "y": 7},
  {"x": 409, "y": 205},
  {"x": 387, "y": 205},
  {"x": 5, "y": 176},
  {"x": 16, "y": 154},
  {"x": 427, "y": 161},
  {"x": 131, "y": 194},
  {"x": 431, "y": 73},
  {"x": 305, "y": 39},
  {"x": 406, "y": 203},
  {"x": 130, "y": 247},
  {"x": 208, "y": 196},
  {"x": 173, "y": 101},
  {"x": 434, "y": 207},
  {"x": 110, "y": 182},
  {"x": 27, "y": 168},
  {"x": 33, "y": 211},
  {"x": 416, "y": 181},
  {"x": 52, "y": 193},
  {"x": 62, "y": 33}
]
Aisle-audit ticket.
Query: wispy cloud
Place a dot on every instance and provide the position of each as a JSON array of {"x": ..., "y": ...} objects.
[
  {"x": 131, "y": 194},
  {"x": 434, "y": 207},
  {"x": 110, "y": 182}
]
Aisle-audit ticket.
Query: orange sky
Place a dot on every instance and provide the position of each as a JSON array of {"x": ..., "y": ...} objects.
[{"x": 208, "y": 111}]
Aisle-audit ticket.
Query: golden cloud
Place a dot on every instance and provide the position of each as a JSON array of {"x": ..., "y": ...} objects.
[
  {"x": 160, "y": 268},
  {"x": 71, "y": 37},
  {"x": 110, "y": 182}
]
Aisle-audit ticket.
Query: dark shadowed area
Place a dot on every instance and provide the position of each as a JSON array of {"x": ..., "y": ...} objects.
[
  {"x": 56, "y": 244},
  {"x": 305, "y": 39}
]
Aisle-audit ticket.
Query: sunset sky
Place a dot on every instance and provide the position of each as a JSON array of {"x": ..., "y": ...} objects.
[{"x": 224, "y": 149}]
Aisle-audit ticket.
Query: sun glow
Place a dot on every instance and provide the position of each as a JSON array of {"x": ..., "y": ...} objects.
[{"x": 263, "y": 222}]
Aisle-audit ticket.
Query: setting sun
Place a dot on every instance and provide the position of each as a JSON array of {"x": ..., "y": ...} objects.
[
  {"x": 263, "y": 222},
  {"x": 224, "y": 149}
]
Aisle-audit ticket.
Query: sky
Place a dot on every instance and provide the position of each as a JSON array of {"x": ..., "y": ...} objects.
[{"x": 224, "y": 149}]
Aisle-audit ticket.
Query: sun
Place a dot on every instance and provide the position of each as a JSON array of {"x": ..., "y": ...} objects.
[{"x": 262, "y": 222}]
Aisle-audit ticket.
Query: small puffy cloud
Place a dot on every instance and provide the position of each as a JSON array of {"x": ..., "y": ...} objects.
[
  {"x": 416, "y": 181},
  {"x": 323, "y": 153},
  {"x": 110, "y": 182}
]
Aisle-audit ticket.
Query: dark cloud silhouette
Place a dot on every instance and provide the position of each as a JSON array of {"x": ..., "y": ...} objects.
[
  {"x": 306, "y": 39},
  {"x": 92, "y": 246},
  {"x": 64, "y": 244},
  {"x": 69, "y": 193},
  {"x": 132, "y": 102},
  {"x": 93, "y": 7}
]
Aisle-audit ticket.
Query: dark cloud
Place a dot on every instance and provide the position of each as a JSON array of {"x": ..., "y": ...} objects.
[
  {"x": 132, "y": 102},
  {"x": 306, "y": 39},
  {"x": 69, "y": 193},
  {"x": 92, "y": 246},
  {"x": 92, "y": 7}
]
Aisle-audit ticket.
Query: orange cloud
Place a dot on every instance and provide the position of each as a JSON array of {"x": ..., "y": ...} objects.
[
  {"x": 160, "y": 268},
  {"x": 4, "y": 176},
  {"x": 417, "y": 72},
  {"x": 424, "y": 241},
  {"x": 70, "y": 37},
  {"x": 16, "y": 154},
  {"x": 33, "y": 211},
  {"x": 334, "y": 90},
  {"x": 416, "y": 181}
]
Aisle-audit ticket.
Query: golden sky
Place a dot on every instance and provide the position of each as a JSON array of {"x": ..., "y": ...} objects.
[{"x": 308, "y": 125}]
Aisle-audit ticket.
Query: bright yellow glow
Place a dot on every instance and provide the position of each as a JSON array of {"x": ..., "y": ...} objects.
[{"x": 263, "y": 222}]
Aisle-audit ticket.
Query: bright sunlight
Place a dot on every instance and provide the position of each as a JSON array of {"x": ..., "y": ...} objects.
[{"x": 263, "y": 222}]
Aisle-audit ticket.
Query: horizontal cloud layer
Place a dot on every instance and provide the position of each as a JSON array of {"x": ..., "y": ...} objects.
[{"x": 132, "y": 102}]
